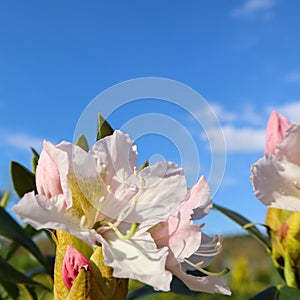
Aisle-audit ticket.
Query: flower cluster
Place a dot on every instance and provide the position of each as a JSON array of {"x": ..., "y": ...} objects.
[{"x": 142, "y": 220}]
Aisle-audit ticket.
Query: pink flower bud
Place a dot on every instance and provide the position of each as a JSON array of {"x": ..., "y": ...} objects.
[
  {"x": 73, "y": 262},
  {"x": 276, "y": 128},
  {"x": 47, "y": 176}
]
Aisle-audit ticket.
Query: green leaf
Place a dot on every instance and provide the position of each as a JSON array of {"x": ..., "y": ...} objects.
[
  {"x": 289, "y": 274},
  {"x": 15, "y": 245},
  {"x": 12, "y": 230},
  {"x": 82, "y": 143},
  {"x": 11, "y": 289},
  {"x": 23, "y": 180},
  {"x": 242, "y": 221},
  {"x": 270, "y": 293},
  {"x": 103, "y": 128},
  {"x": 144, "y": 165},
  {"x": 9, "y": 274},
  {"x": 288, "y": 293},
  {"x": 35, "y": 159}
]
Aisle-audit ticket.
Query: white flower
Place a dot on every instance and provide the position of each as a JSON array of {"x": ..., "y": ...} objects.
[{"x": 100, "y": 197}]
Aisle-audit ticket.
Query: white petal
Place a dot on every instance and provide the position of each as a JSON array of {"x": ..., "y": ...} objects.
[
  {"x": 161, "y": 190},
  {"x": 41, "y": 212},
  {"x": 118, "y": 154},
  {"x": 276, "y": 183},
  {"x": 289, "y": 148},
  {"x": 208, "y": 284},
  {"x": 137, "y": 258}
]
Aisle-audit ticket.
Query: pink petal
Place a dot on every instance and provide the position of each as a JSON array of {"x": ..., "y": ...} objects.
[
  {"x": 276, "y": 128},
  {"x": 73, "y": 262},
  {"x": 47, "y": 176}
]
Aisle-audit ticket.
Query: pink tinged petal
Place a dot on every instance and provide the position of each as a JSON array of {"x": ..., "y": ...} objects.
[
  {"x": 137, "y": 258},
  {"x": 117, "y": 156},
  {"x": 73, "y": 262},
  {"x": 276, "y": 183},
  {"x": 185, "y": 241},
  {"x": 41, "y": 212},
  {"x": 276, "y": 128},
  {"x": 208, "y": 284},
  {"x": 200, "y": 199},
  {"x": 289, "y": 148},
  {"x": 47, "y": 176}
]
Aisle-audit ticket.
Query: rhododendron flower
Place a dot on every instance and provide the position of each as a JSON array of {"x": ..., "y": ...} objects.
[
  {"x": 73, "y": 262},
  {"x": 100, "y": 197},
  {"x": 189, "y": 249},
  {"x": 276, "y": 177}
]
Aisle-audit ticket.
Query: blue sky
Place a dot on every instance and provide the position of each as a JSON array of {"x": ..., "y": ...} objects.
[{"x": 241, "y": 56}]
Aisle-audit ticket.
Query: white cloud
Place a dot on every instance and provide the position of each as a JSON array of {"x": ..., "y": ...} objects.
[
  {"x": 290, "y": 110},
  {"x": 22, "y": 141},
  {"x": 222, "y": 114},
  {"x": 251, "y": 7},
  {"x": 292, "y": 77},
  {"x": 244, "y": 139},
  {"x": 245, "y": 114}
]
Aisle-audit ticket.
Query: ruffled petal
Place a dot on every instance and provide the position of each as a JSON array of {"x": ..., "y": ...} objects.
[
  {"x": 288, "y": 149},
  {"x": 41, "y": 212},
  {"x": 117, "y": 155},
  {"x": 137, "y": 258},
  {"x": 276, "y": 183},
  {"x": 147, "y": 197},
  {"x": 208, "y": 284},
  {"x": 200, "y": 199}
]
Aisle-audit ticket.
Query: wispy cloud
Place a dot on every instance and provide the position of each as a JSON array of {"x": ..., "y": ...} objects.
[
  {"x": 245, "y": 114},
  {"x": 21, "y": 141},
  {"x": 292, "y": 77},
  {"x": 244, "y": 139},
  {"x": 251, "y": 7},
  {"x": 290, "y": 110}
]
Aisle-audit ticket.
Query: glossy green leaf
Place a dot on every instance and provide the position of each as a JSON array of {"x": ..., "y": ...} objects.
[
  {"x": 82, "y": 143},
  {"x": 12, "y": 230},
  {"x": 23, "y": 179},
  {"x": 10, "y": 274},
  {"x": 35, "y": 159},
  {"x": 103, "y": 128},
  {"x": 242, "y": 221},
  {"x": 270, "y": 293}
]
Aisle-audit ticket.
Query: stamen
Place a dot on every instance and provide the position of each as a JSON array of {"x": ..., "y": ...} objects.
[
  {"x": 135, "y": 170},
  {"x": 108, "y": 187},
  {"x": 109, "y": 225},
  {"x": 208, "y": 273}
]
